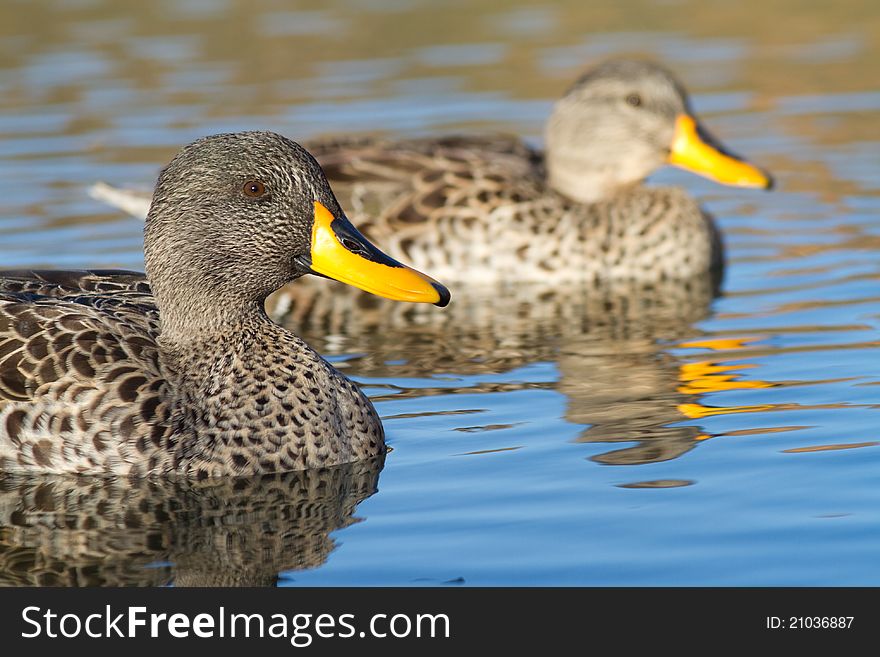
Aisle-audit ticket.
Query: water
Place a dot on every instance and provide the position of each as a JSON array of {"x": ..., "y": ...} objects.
[{"x": 536, "y": 439}]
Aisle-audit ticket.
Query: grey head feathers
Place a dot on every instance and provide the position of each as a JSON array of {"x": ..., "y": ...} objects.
[
  {"x": 612, "y": 128},
  {"x": 210, "y": 246}
]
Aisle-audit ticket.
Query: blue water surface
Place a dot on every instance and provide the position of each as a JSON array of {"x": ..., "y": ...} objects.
[{"x": 738, "y": 445}]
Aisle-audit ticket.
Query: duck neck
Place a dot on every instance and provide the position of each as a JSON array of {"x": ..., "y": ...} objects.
[
  {"x": 573, "y": 177},
  {"x": 193, "y": 337},
  {"x": 188, "y": 318},
  {"x": 204, "y": 285}
]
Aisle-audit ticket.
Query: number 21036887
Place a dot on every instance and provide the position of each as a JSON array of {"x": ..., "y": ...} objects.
[{"x": 809, "y": 622}]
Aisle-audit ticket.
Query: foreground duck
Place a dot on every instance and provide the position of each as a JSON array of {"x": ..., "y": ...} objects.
[
  {"x": 105, "y": 372},
  {"x": 495, "y": 209}
]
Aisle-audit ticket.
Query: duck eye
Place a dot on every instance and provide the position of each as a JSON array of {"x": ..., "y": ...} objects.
[
  {"x": 634, "y": 99},
  {"x": 254, "y": 189}
]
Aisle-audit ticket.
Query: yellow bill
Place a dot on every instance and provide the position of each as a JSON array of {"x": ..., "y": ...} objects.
[
  {"x": 340, "y": 252},
  {"x": 694, "y": 150}
]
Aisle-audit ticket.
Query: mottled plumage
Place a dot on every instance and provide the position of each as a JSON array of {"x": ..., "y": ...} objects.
[
  {"x": 493, "y": 209},
  {"x": 499, "y": 222},
  {"x": 103, "y": 372}
]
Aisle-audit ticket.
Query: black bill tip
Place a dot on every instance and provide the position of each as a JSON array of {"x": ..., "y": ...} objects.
[{"x": 445, "y": 296}]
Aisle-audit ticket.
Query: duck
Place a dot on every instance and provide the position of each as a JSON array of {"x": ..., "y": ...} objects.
[
  {"x": 493, "y": 209},
  {"x": 179, "y": 371}
]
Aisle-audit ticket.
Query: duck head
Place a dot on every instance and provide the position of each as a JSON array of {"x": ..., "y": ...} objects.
[
  {"x": 623, "y": 120},
  {"x": 236, "y": 216}
]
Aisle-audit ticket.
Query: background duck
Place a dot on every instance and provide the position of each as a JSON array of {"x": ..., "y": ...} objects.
[
  {"x": 495, "y": 209},
  {"x": 103, "y": 372}
]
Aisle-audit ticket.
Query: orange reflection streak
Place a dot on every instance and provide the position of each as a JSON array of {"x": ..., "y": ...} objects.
[
  {"x": 707, "y": 376},
  {"x": 696, "y": 411}
]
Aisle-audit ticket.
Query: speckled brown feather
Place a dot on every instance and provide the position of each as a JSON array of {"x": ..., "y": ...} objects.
[
  {"x": 83, "y": 389},
  {"x": 79, "y": 374}
]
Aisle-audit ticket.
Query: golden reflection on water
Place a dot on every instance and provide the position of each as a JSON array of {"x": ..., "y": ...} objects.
[{"x": 705, "y": 376}]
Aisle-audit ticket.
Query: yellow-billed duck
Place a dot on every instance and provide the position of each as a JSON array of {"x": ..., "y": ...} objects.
[
  {"x": 495, "y": 209},
  {"x": 180, "y": 371}
]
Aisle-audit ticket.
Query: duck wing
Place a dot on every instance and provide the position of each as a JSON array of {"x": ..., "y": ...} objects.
[
  {"x": 424, "y": 198},
  {"x": 371, "y": 158},
  {"x": 80, "y": 380},
  {"x": 60, "y": 283}
]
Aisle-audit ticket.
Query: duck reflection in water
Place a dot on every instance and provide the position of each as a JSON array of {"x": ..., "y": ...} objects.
[{"x": 90, "y": 531}]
